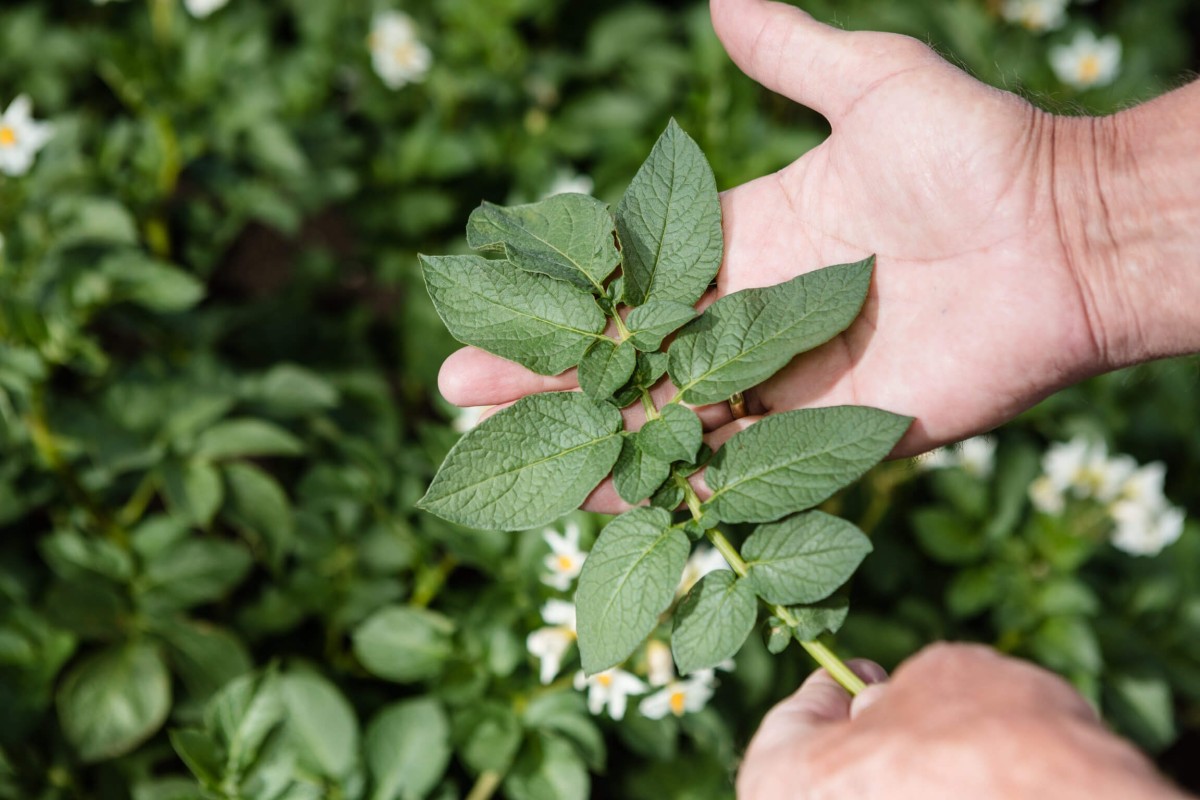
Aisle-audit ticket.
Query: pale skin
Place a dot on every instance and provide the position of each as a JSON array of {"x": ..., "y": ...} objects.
[{"x": 1018, "y": 252}]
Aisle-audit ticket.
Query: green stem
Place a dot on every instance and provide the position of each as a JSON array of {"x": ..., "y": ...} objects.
[
  {"x": 485, "y": 785},
  {"x": 621, "y": 329},
  {"x": 648, "y": 404},
  {"x": 820, "y": 653},
  {"x": 430, "y": 582}
]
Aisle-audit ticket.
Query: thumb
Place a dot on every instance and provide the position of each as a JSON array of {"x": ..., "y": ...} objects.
[{"x": 789, "y": 52}]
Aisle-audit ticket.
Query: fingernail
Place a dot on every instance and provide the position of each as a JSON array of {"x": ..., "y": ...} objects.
[
  {"x": 866, "y": 698},
  {"x": 869, "y": 671}
]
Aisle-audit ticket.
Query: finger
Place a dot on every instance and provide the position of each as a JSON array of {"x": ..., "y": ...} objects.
[
  {"x": 473, "y": 377},
  {"x": 789, "y": 52}
]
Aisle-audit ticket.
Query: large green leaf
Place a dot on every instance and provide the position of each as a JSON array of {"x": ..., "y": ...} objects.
[
  {"x": 193, "y": 571},
  {"x": 319, "y": 724},
  {"x": 404, "y": 644},
  {"x": 793, "y": 460},
  {"x": 746, "y": 337},
  {"x": 529, "y": 464},
  {"x": 803, "y": 558},
  {"x": 567, "y": 236},
  {"x": 713, "y": 621},
  {"x": 407, "y": 749},
  {"x": 543, "y": 324},
  {"x": 669, "y": 223},
  {"x": 114, "y": 700},
  {"x": 629, "y": 578}
]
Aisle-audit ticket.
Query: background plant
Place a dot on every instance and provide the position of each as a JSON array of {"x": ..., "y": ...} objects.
[{"x": 216, "y": 406}]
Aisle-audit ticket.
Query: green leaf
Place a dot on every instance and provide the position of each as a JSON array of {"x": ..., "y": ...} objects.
[
  {"x": 675, "y": 436},
  {"x": 488, "y": 736},
  {"x": 947, "y": 537},
  {"x": 567, "y": 236},
  {"x": 242, "y": 715},
  {"x": 404, "y": 644},
  {"x": 204, "y": 656},
  {"x": 816, "y": 619},
  {"x": 746, "y": 337},
  {"x": 652, "y": 322},
  {"x": 70, "y": 555},
  {"x": 605, "y": 368},
  {"x": 669, "y": 223},
  {"x": 199, "y": 753},
  {"x": 650, "y": 367},
  {"x": 566, "y": 713},
  {"x": 150, "y": 283},
  {"x": 192, "y": 572},
  {"x": 1067, "y": 644},
  {"x": 637, "y": 475},
  {"x": 291, "y": 390},
  {"x": 669, "y": 496},
  {"x": 527, "y": 465},
  {"x": 542, "y": 324},
  {"x": 628, "y": 579},
  {"x": 793, "y": 460},
  {"x": 549, "y": 770},
  {"x": 803, "y": 558},
  {"x": 319, "y": 723},
  {"x": 1144, "y": 707},
  {"x": 712, "y": 621},
  {"x": 240, "y": 438},
  {"x": 407, "y": 749},
  {"x": 259, "y": 507},
  {"x": 114, "y": 700},
  {"x": 193, "y": 490}
]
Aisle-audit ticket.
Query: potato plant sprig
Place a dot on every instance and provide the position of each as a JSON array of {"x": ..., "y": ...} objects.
[{"x": 566, "y": 268}]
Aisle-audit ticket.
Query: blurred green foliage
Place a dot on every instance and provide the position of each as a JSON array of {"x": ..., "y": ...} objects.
[{"x": 218, "y": 406}]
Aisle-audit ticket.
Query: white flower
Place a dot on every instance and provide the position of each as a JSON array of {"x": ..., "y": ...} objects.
[
  {"x": 1036, "y": 15},
  {"x": 21, "y": 137},
  {"x": 1083, "y": 468},
  {"x": 565, "y": 559},
  {"x": 468, "y": 417},
  {"x": 610, "y": 688},
  {"x": 568, "y": 182},
  {"x": 1047, "y": 497},
  {"x": 397, "y": 55},
  {"x": 660, "y": 664},
  {"x": 976, "y": 456},
  {"x": 202, "y": 8},
  {"x": 1144, "y": 529},
  {"x": 550, "y": 644},
  {"x": 1145, "y": 484},
  {"x": 703, "y": 561},
  {"x": 1087, "y": 61},
  {"x": 681, "y": 696}
]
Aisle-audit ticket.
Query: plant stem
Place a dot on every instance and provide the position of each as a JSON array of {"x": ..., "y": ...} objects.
[
  {"x": 485, "y": 785},
  {"x": 820, "y": 653},
  {"x": 621, "y": 329},
  {"x": 431, "y": 580}
]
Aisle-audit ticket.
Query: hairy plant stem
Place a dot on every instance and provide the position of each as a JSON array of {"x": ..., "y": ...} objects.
[{"x": 819, "y": 652}]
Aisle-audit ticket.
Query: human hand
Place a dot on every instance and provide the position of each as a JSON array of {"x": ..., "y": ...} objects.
[
  {"x": 974, "y": 313},
  {"x": 955, "y": 721}
]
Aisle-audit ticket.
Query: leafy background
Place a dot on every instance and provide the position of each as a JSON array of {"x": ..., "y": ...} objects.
[{"x": 218, "y": 406}]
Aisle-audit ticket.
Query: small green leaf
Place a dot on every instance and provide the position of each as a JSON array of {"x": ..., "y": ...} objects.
[
  {"x": 793, "y": 460},
  {"x": 650, "y": 367},
  {"x": 192, "y": 572},
  {"x": 652, "y": 322},
  {"x": 489, "y": 735},
  {"x": 675, "y": 436},
  {"x": 605, "y": 368},
  {"x": 542, "y": 324},
  {"x": 669, "y": 496},
  {"x": 291, "y": 390},
  {"x": 549, "y": 769},
  {"x": 746, "y": 337},
  {"x": 567, "y": 236},
  {"x": 193, "y": 490},
  {"x": 669, "y": 223},
  {"x": 637, "y": 475},
  {"x": 319, "y": 724},
  {"x": 566, "y": 713},
  {"x": 628, "y": 579},
  {"x": 114, "y": 700},
  {"x": 713, "y": 621},
  {"x": 816, "y": 619},
  {"x": 803, "y": 558},
  {"x": 407, "y": 748},
  {"x": 204, "y": 656},
  {"x": 259, "y": 507},
  {"x": 779, "y": 636},
  {"x": 242, "y": 715},
  {"x": 149, "y": 283},
  {"x": 529, "y": 464},
  {"x": 404, "y": 644},
  {"x": 200, "y": 753},
  {"x": 240, "y": 438}
]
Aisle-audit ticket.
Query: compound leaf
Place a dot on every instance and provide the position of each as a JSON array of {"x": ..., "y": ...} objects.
[
  {"x": 793, "y": 460},
  {"x": 746, "y": 337},
  {"x": 543, "y": 324},
  {"x": 567, "y": 236},
  {"x": 713, "y": 621},
  {"x": 669, "y": 223},
  {"x": 803, "y": 558},
  {"x": 529, "y": 464},
  {"x": 627, "y": 581}
]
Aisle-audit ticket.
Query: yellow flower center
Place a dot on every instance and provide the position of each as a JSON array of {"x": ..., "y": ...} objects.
[
  {"x": 604, "y": 680},
  {"x": 677, "y": 699},
  {"x": 404, "y": 53},
  {"x": 8, "y": 137},
  {"x": 565, "y": 563},
  {"x": 1089, "y": 69}
]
